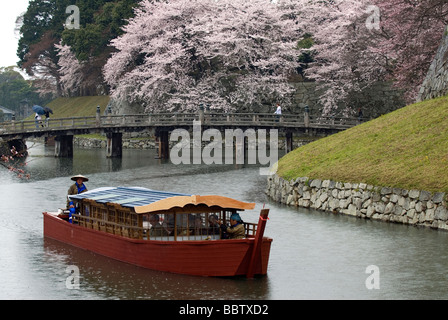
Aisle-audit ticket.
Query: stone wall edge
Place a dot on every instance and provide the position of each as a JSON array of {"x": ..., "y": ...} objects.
[{"x": 409, "y": 207}]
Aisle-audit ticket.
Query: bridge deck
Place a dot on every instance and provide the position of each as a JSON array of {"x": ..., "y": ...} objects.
[{"x": 58, "y": 126}]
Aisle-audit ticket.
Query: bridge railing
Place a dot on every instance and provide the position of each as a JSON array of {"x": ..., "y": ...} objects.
[
  {"x": 44, "y": 124},
  {"x": 178, "y": 119},
  {"x": 336, "y": 122},
  {"x": 267, "y": 119},
  {"x": 210, "y": 118}
]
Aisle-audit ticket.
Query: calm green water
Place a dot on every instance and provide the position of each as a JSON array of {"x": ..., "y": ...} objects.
[{"x": 314, "y": 255}]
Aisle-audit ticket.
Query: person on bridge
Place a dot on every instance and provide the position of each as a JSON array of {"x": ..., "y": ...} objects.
[
  {"x": 38, "y": 120},
  {"x": 278, "y": 112},
  {"x": 47, "y": 117},
  {"x": 77, "y": 188}
]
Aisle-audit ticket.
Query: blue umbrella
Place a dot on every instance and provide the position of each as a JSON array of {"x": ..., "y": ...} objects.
[
  {"x": 38, "y": 110},
  {"x": 48, "y": 110}
]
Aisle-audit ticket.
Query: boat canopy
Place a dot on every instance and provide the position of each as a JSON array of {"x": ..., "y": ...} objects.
[
  {"x": 144, "y": 200},
  {"x": 195, "y": 200}
]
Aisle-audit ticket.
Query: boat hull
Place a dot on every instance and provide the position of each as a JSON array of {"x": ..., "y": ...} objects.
[{"x": 220, "y": 258}]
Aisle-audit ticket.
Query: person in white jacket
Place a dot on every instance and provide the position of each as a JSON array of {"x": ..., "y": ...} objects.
[{"x": 278, "y": 112}]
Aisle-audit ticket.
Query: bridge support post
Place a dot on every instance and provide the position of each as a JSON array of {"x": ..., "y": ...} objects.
[
  {"x": 201, "y": 113},
  {"x": 114, "y": 145},
  {"x": 98, "y": 116},
  {"x": 63, "y": 147},
  {"x": 164, "y": 144},
  {"x": 306, "y": 116},
  {"x": 289, "y": 142}
]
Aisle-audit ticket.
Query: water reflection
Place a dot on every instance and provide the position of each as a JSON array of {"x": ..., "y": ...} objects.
[{"x": 101, "y": 277}]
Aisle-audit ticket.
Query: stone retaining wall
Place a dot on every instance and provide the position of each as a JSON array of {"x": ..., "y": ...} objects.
[
  {"x": 412, "y": 207},
  {"x": 127, "y": 143},
  {"x": 436, "y": 81},
  {"x": 149, "y": 143}
]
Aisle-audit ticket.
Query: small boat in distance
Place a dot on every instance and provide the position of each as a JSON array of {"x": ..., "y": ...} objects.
[{"x": 164, "y": 231}]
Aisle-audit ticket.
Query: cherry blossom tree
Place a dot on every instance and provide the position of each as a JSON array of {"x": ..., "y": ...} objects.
[
  {"x": 222, "y": 53},
  {"x": 410, "y": 33},
  {"x": 351, "y": 55},
  {"x": 343, "y": 62},
  {"x": 70, "y": 69},
  {"x": 46, "y": 22},
  {"x": 14, "y": 161},
  {"x": 78, "y": 78},
  {"x": 178, "y": 54}
]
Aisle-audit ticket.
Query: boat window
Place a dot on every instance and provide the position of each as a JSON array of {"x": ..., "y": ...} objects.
[
  {"x": 110, "y": 218},
  {"x": 122, "y": 221},
  {"x": 188, "y": 226}
]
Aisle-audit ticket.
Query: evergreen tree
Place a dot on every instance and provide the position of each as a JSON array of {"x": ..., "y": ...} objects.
[
  {"x": 43, "y": 28},
  {"x": 14, "y": 89}
]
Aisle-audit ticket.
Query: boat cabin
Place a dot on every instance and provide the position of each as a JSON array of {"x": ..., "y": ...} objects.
[{"x": 144, "y": 214}]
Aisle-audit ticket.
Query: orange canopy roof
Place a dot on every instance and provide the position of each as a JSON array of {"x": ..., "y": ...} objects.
[{"x": 182, "y": 201}]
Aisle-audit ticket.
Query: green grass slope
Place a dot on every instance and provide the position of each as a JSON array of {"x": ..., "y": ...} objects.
[
  {"x": 76, "y": 107},
  {"x": 405, "y": 149}
]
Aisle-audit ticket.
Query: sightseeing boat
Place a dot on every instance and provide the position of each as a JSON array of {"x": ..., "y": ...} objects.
[{"x": 163, "y": 231}]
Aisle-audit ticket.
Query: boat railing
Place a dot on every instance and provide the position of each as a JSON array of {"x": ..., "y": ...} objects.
[
  {"x": 251, "y": 229},
  {"x": 129, "y": 231},
  {"x": 131, "y": 228}
]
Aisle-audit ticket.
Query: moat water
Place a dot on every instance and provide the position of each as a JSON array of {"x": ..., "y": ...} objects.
[{"x": 314, "y": 255}]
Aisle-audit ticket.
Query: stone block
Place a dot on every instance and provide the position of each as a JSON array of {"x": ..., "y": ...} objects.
[
  {"x": 323, "y": 197},
  {"x": 380, "y": 207},
  {"x": 325, "y": 183},
  {"x": 351, "y": 211},
  {"x": 424, "y": 195},
  {"x": 438, "y": 197},
  {"x": 394, "y": 198},
  {"x": 333, "y": 204},
  {"x": 411, "y": 213},
  {"x": 441, "y": 213},
  {"x": 414, "y": 194},
  {"x": 389, "y": 208},
  {"x": 429, "y": 215},
  {"x": 316, "y": 183},
  {"x": 370, "y": 211},
  {"x": 306, "y": 195}
]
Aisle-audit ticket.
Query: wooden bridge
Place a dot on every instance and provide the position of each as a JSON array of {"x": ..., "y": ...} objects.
[{"x": 161, "y": 124}]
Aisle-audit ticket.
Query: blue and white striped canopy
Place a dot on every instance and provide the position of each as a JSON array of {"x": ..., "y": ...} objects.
[{"x": 126, "y": 196}]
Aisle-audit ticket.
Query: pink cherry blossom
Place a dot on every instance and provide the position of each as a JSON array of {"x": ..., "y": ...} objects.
[{"x": 178, "y": 54}]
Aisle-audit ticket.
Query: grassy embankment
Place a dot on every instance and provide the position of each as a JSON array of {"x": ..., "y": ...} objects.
[
  {"x": 407, "y": 149},
  {"x": 78, "y": 106}
]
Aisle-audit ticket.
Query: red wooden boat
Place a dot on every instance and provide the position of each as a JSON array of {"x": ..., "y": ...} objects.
[{"x": 163, "y": 231}]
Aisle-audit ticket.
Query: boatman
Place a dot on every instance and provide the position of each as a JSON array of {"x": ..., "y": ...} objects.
[{"x": 77, "y": 188}]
